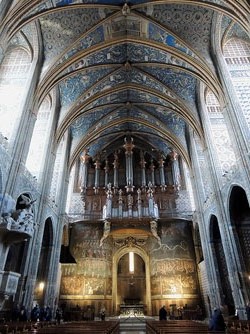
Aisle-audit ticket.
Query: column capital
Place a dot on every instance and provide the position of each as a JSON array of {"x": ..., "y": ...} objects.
[
  {"x": 97, "y": 164},
  {"x": 85, "y": 156},
  {"x": 161, "y": 162},
  {"x": 173, "y": 155},
  {"x": 152, "y": 166},
  {"x": 115, "y": 163},
  {"x": 128, "y": 145}
]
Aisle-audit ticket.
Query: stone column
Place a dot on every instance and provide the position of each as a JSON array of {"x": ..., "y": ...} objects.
[
  {"x": 35, "y": 244},
  {"x": 236, "y": 120},
  {"x": 150, "y": 197},
  {"x": 238, "y": 129},
  {"x": 108, "y": 213}
]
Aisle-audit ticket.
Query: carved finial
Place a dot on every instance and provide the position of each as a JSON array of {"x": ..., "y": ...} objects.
[
  {"x": 125, "y": 9},
  {"x": 128, "y": 144}
]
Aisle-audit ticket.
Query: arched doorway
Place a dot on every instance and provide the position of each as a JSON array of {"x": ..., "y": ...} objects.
[
  {"x": 44, "y": 263},
  {"x": 122, "y": 279},
  {"x": 239, "y": 211},
  {"x": 131, "y": 283},
  {"x": 220, "y": 264}
]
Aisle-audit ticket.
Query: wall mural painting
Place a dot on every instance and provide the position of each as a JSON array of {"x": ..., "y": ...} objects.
[
  {"x": 178, "y": 284},
  {"x": 72, "y": 285},
  {"x": 94, "y": 268},
  {"x": 86, "y": 231},
  {"x": 173, "y": 262},
  {"x": 155, "y": 286},
  {"x": 109, "y": 286},
  {"x": 172, "y": 266},
  {"x": 94, "y": 286},
  {"x": 80, "y": 286},
  {"x": 91, "y": 275},
  {"x": 90, "y": 249}
]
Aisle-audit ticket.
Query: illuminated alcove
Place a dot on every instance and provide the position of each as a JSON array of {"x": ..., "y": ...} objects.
[{"x": 131, "y": 284}]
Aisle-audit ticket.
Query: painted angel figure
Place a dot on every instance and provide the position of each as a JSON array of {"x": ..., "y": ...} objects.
[
  {"x": 106, "y": 231},
  {"x": 153, "y": 228}
]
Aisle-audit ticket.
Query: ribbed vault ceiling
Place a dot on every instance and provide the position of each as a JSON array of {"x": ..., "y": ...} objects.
[{"x": 126, "y": 68}]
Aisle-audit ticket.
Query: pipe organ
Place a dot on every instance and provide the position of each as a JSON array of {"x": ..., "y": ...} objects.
[{"x": 128, "y": 182}]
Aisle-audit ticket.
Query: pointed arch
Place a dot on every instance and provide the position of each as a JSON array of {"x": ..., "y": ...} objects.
[
  {"x": 221, "y": 270},
  {"x": 117, "y": 256},
  {"x": 239, "y": 212}
]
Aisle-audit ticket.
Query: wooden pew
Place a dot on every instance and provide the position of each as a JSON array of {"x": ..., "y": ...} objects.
[
  {"x": 45, "y": 327},
  {"x": 177, "y": 327},
  {"x": 16, "y": 327},
  {"x": 82, "y": 327},
  {"x": 238, "y": 326},
  {"x": 3, "y": 328}
]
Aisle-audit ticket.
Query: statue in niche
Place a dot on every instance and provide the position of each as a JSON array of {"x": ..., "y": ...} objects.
[
  {"x": 153, "y": 228},
  {"x": 107, "y": 208},
  {"x": 152, "y": 206},
  {"x": 106, "y": 231},
  {"x": 26, "y": 202},
  {"x": 8, "y": 205}
]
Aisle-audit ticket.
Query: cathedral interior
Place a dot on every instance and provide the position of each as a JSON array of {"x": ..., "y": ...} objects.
[{"x": 125, "y": 155}]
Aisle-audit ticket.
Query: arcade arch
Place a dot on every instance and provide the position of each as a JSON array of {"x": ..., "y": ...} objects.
[{"x": 116, "y": 259}]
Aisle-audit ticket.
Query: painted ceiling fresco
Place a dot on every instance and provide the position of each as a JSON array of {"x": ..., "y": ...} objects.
[{"x": 122, "y": 67}]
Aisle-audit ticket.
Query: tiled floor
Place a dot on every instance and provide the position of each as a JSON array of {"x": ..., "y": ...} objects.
[{"x": 132, "y": 326}]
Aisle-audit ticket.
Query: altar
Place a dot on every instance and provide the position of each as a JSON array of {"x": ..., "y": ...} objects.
[{"x": 131, "y": 310}]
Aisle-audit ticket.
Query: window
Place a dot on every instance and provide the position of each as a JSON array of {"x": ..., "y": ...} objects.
[{"x": 14, "y": 72}]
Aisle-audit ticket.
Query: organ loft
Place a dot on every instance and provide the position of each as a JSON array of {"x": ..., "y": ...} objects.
[{"x": 127, "y": 183}]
